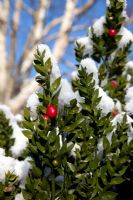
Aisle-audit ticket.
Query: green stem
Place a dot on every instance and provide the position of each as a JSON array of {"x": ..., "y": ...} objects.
[
  {"x": 65, "y": 183},
  {"x": 53, "y": 186}
]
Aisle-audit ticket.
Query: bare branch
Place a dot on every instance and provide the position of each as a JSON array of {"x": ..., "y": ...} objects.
[
  {"x": 84, "y": 8},
  {"x": 27, "y": 62},
  {"x": 28, "y": 9},
  {"x": 15, "y": 25},
  {"x": 79, "y": 27},
  {"x": 69, "y": 64},
  {"x": 4, "y": 13},
  {"x": 62, "y": 41},
  {"x": 19, "y": 101},
  {"x": 35, "y": 34},
  {"x": 74, "y": 28},
  {"x": 11, "y": 62},
  {"x": 66, "y": 26},
  {"x": 52, "y": 24},
  {"x": 130, "y": 20},
  {"x": 76, "y": 12},
  {"x": 51, "y": 37}
]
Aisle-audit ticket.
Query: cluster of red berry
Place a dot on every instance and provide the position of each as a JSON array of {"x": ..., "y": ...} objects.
[
  {"x": 51, "y": 112},
  {"x": 112, "y": 32}
]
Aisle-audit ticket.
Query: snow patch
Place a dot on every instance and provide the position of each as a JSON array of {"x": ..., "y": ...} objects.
[
  {"x": 19, "y": 168},
  {"x": 67, "y": 94},
  {"x": 98, "y": 26},
  {"x": 127, "y": 36},
  {"x": 48, "y": 54},
  {"x": 87, "y": 43},
  {"x": 106, "y": 104},
  {"x": 20, "y": 140},
  {"x": 91, "y": 67}
]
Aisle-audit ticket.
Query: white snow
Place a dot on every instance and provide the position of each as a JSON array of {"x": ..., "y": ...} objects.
[
  {"x": 18, "y": 117},
  {"x": 112, "y": 56},
  {"x": 129, "y": 94},
  {"x": 87, "y": 43},
  {"x": 124, "y": 14},
  {"x": 106, "y": 104},
  {"x": 129, "y": 107},
  {"x": 67, "y": 94},
  {"x": 129, "y": 77},
  {"x": 127, "y": 36},
  {"x": 99, "y": 26},
  {"x": 74, "y": 149},
  {"x": 19, "y": 168},
  {"x": 2, "y": 152},
  {"x": 116, "y": 119},
  {"x": 130, "y": 134},
  {"x": 32, "y": 103},
  {"x": 129, "y": 65},
  {"x": 19, "y": 197},
  {"x": 74, "y": 75},
  {"x": 125, "y": 3},
  {"x": 7, "y": 112},
  {"x": 55, "y": 73},
  {"x": 119, "y": 118},
  {"x": 118, "y": 106},
  {"x": 129, "y": 100},
  {"x": 20, "y": 140},
  {"x": 91, "y": 67}
]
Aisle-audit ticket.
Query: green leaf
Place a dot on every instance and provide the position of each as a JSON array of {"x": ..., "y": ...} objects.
[
  {"x": 109, "y": 195},
  {"x": 118, "y": 38},
  {"x": 106, "y": 143},
  {"x": 27, "y": 114},
  {"x": 117, "y": 181},
  {"x": 55, "y": 85},
  {"x": 52, "y": 136},
  {"x": 48, "y": 65},
  {"x": 27, "y": 134},
  {"x": 86, "y": 107},
  {"x": 39, "y": 69},
  {"x": 122, "y": 171},
  {"x": 37, "y": 172},
  {"x": 95, "y": 95},
  {"x": 27, "y": 195},
  {"x": 71, "y": 167},
  {"x": 40, "y": 147},
  {"x": 28, "y": 125},
  {"x": 74, "y": 125},
  {"x": 33, "y": 148},
  {"x": 40, "y": 79}
]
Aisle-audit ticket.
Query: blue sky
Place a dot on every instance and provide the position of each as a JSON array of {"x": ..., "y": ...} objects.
[{"x": 57, "y": 7}]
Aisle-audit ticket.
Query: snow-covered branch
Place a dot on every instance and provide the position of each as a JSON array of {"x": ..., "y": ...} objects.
[
  {"x": 4, "y": 13},
  {"x": 12, "y": 53},
  {"x": 84, "y": 8},
  {"x": 66, "y": 25},
  {"x": 35, "y": 34},
  {"x": 18, "y": 102}
]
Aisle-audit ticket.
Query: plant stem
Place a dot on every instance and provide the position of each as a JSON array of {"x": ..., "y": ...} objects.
[
  {"x": 65, "y": 183},
  {"x": 53, "y": 186}
]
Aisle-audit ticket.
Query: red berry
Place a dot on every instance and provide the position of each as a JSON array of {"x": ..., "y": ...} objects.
[
  {"x": 51, "y": 111},
  {"x": 113, "y": 83},
  {"x": 45, "y": 116},
  {"x": 114, "y": 113},
  {"x": 112, "y": 32}
]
